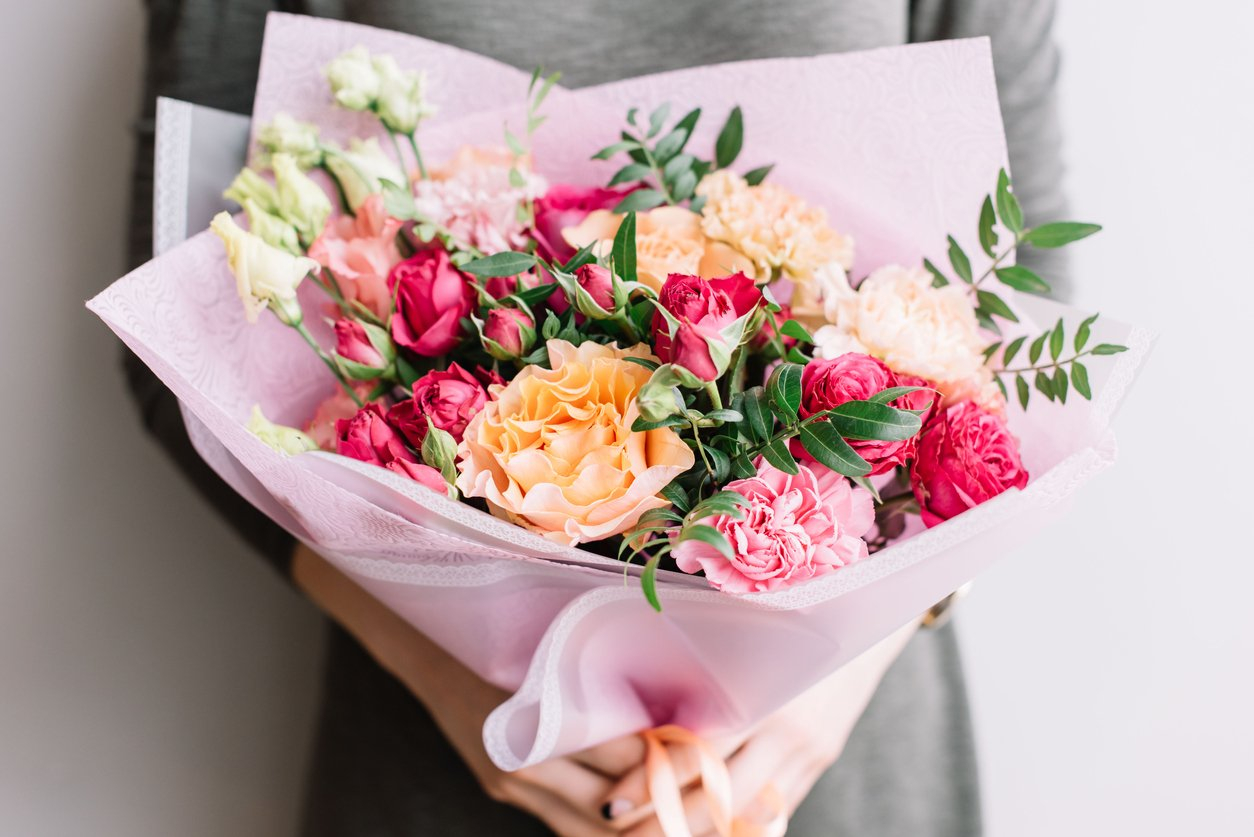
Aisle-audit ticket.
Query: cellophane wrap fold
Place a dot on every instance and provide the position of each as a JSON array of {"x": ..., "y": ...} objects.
[{"x": 899, "y": 144}]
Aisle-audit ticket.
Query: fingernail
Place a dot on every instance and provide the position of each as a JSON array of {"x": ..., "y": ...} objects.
[{"x": 616, "y": 808}]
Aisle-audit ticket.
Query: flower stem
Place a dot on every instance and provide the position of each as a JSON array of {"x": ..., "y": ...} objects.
[
  {"x": 400, "y": 158},
  {"x": 335, "y": 370},
  {"x": 716, "y": 400},
  {"x": 413, "y": 143},
  {"x": 1043, "y": 366}
]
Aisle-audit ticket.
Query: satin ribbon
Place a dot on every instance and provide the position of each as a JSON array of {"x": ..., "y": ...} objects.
[{"x": 667, "y": 795}]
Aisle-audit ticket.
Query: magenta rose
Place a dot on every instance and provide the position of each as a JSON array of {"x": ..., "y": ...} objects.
[
  {"x": 598, "y": 283},
  {"x": 565, "y": 206},
  {"x": 507, "y": 327},
  {"x": 709, "y": 303},
  {"x": 432, "y": 297},
  {"x": 450, "y": 399},
  {"x": 367, "y": 437},
  {"x": 966, "y": 456},
  {"x": 795, "y": 528},
  {"x": 352, "y": 343},
  {"x": 857, "y": 377}
]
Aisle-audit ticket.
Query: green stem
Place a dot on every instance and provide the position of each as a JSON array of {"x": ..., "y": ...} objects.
[
  {"x": 716, "y": 400},
  {"x": 900, "y": 502},
  {"x": 400, "y": 158},
  {"x": 657, "y": 173},
  {"x": 996, "y": 263},
  {"x": 335, "y": 370},
  {"x": 1042, "y": 367},
  {"x": 413, "y": 143},
  {"x": 736, "y": 380}
]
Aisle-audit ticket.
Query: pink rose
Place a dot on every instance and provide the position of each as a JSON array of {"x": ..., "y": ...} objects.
[
  {"x": 711, "y": 303},
  {"x": 795, "y": 528},
  {"x": 566, "y": 206},
  {"x": 450, "y": 399},
  {"x": 432, "y": 297},
  {"x": 506, "y": 326},
  {"x": 338, "y": 406},
  {"x": 598, "y": 283},
  {"x": 856, "y": 377},
  {"x": 966, "y": 456},
  {"x": 360, "y": 250},
  {"x": 352, "y": 343},
  {"x": 367, "y": 437}
]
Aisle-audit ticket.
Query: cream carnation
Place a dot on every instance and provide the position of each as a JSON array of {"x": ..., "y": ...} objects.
[{"x": 554, "y": 450}]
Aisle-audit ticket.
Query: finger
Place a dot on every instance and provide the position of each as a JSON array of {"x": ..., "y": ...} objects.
[
  {"x": 628, "y": 803},
  {"x": 555, "y": 812},
  {"x": 579, "y": 787},
  {"x": 613, "y": 758}
]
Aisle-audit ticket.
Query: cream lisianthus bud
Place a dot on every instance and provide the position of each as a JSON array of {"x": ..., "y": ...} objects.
[
  {"x": 402, "y": 99},
  {"x": 360, "y": 170},
  {"x": 302, "y": 203},
  {"x": 285, "y": 135},
  {"x": 271, "y": 228},
  {"x": 264, "y": 274},
  {"x": 248, "y": 185},
  {"x": 287, "y": 440},
  {"x": 354, "y": 80}
]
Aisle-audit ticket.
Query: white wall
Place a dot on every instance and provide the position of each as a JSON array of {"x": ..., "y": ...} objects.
[
  {"x": 161, "y": 683},
  {"x": 1111, "y": 662}
]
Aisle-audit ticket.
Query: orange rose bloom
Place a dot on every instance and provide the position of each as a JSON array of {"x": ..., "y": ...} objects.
[{"x": 554, "y": 451}]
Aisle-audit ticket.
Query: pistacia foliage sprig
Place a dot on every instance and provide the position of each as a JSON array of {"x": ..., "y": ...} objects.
[
  {"x": 661, "y": 167},
  {"x": 1052, "y": 375}
]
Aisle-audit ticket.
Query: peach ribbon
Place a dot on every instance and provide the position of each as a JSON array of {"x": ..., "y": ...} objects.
[{"x": 667, "y": 796}]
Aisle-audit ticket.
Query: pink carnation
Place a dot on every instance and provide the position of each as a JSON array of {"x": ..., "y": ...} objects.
[
  {"x": 360, "y": 250},
  {"x": 476, "y": 200},
  {"x": 795, "y": 528}
]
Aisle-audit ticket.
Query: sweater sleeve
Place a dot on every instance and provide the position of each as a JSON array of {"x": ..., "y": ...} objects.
[
  {"x": 183, "y": 39},
  {"x": 1026, "y": 61}
]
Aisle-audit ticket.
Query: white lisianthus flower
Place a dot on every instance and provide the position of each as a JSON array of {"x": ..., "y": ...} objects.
[
  {"x": 248, "y": 185},
  {"x": 271, "y": 228},
  {"x": 354, "y": 79},
  {"x": 302, "y": 203},
  {"x": 265, "y": 276},
  {"x": 285, "y": 135},
  {"x": 402, "y": 98},
  {"x": 286, "y": 440},
  {"x": 361, "y": 169}
]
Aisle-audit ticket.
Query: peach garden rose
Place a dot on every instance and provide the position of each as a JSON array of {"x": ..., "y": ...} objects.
[{"x": 554, "y": 451}]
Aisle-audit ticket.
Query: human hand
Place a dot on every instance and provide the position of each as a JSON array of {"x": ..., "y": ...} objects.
[{"x": 786, "y": 752}]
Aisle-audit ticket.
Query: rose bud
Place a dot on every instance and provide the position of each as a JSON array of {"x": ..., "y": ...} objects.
[
  {"x": 966, "y": 456},
  {"x": 598, "y": 283},
  {"x": 694, "y": 348},
  {"x": 449, "y": 398},
  {"x": 432, "y": 297},
  {"x": 357, "y": 352},
  {"x": 857, "y": 377},
  {"x": 508, "y": 333}
]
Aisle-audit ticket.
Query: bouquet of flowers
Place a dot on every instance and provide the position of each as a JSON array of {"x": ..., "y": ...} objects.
[{"x": 520, "y": 350}]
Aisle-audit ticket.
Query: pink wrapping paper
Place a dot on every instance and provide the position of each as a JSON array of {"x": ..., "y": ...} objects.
[{"x": 899, "y": 144}]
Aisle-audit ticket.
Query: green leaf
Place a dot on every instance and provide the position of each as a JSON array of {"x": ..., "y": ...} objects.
[
  {"x": 887, "y": 396},
  {"x": 640, "y": 200},
  {"x": 1034, "y": 351},
  {"x": 822, "y": 441},
  {"x": 1008, "y": 208},
  {"x": 991, "y": 350},
  {"x": 870, "y": 420},
  {"x": 1059, "y": 233},
  {"x": 616, "y": 148},
  {"x": 678, "y": 497},
  {"x": 1024, "y": 392},
  {"x": 1012, "y": 349},
  {"x": 623, "y": 252},
  {"x": 756, "y": 176},
  {"x": 708, "y": 535},
  {"x": 1080, "y": 380},
  {"x": 742, "y": 467},
  {"x": 1056, "y": 339},
  {"x": 501, "y": 264},
  {"x": 648, "y": 582},
  {"x": 536, "y": 295},
  {"x": 647, "y": 363},
  {"x": 1108, "y": 349},
  {"x": 1060, "y": 384},
  {"x": 641, "y": 425},
  {"x": 988, "y": 235},
  {"x": 725, "y": 415},
  {"x": 684, "y": 186},
  {"x": 995, "y": 306},
  {"x": 670, "y": 145},
  {"x": 784, "y": 387},
  {"x": 1022, "y": 279},
  {"x": 658, "y": 118},
  {"x": 676, "y": 166},
  {"x": 720, "y": 463},
  {"x": 1001, "y": 386},
  {"x": 1082, "y": 333},
  {"x": 1045, "y": 384},
  {"x": 730, "y": 139},
  {"x": 759, "y": 421},
  {"x": 630, "y": 173},
  {"x": 778, "y": 455},
  {"x": 939, "y": 280},
  {"x": 797, "y": 331},
  {"x": 689, "y": 121},
  {"x": 958, "y": 258}
]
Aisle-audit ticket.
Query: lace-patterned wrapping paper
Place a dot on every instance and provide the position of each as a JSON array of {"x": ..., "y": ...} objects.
[{"x": 899, "y": 144}]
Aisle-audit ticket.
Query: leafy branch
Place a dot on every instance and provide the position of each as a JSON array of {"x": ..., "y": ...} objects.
[{"x": 1056, "y": 376}]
